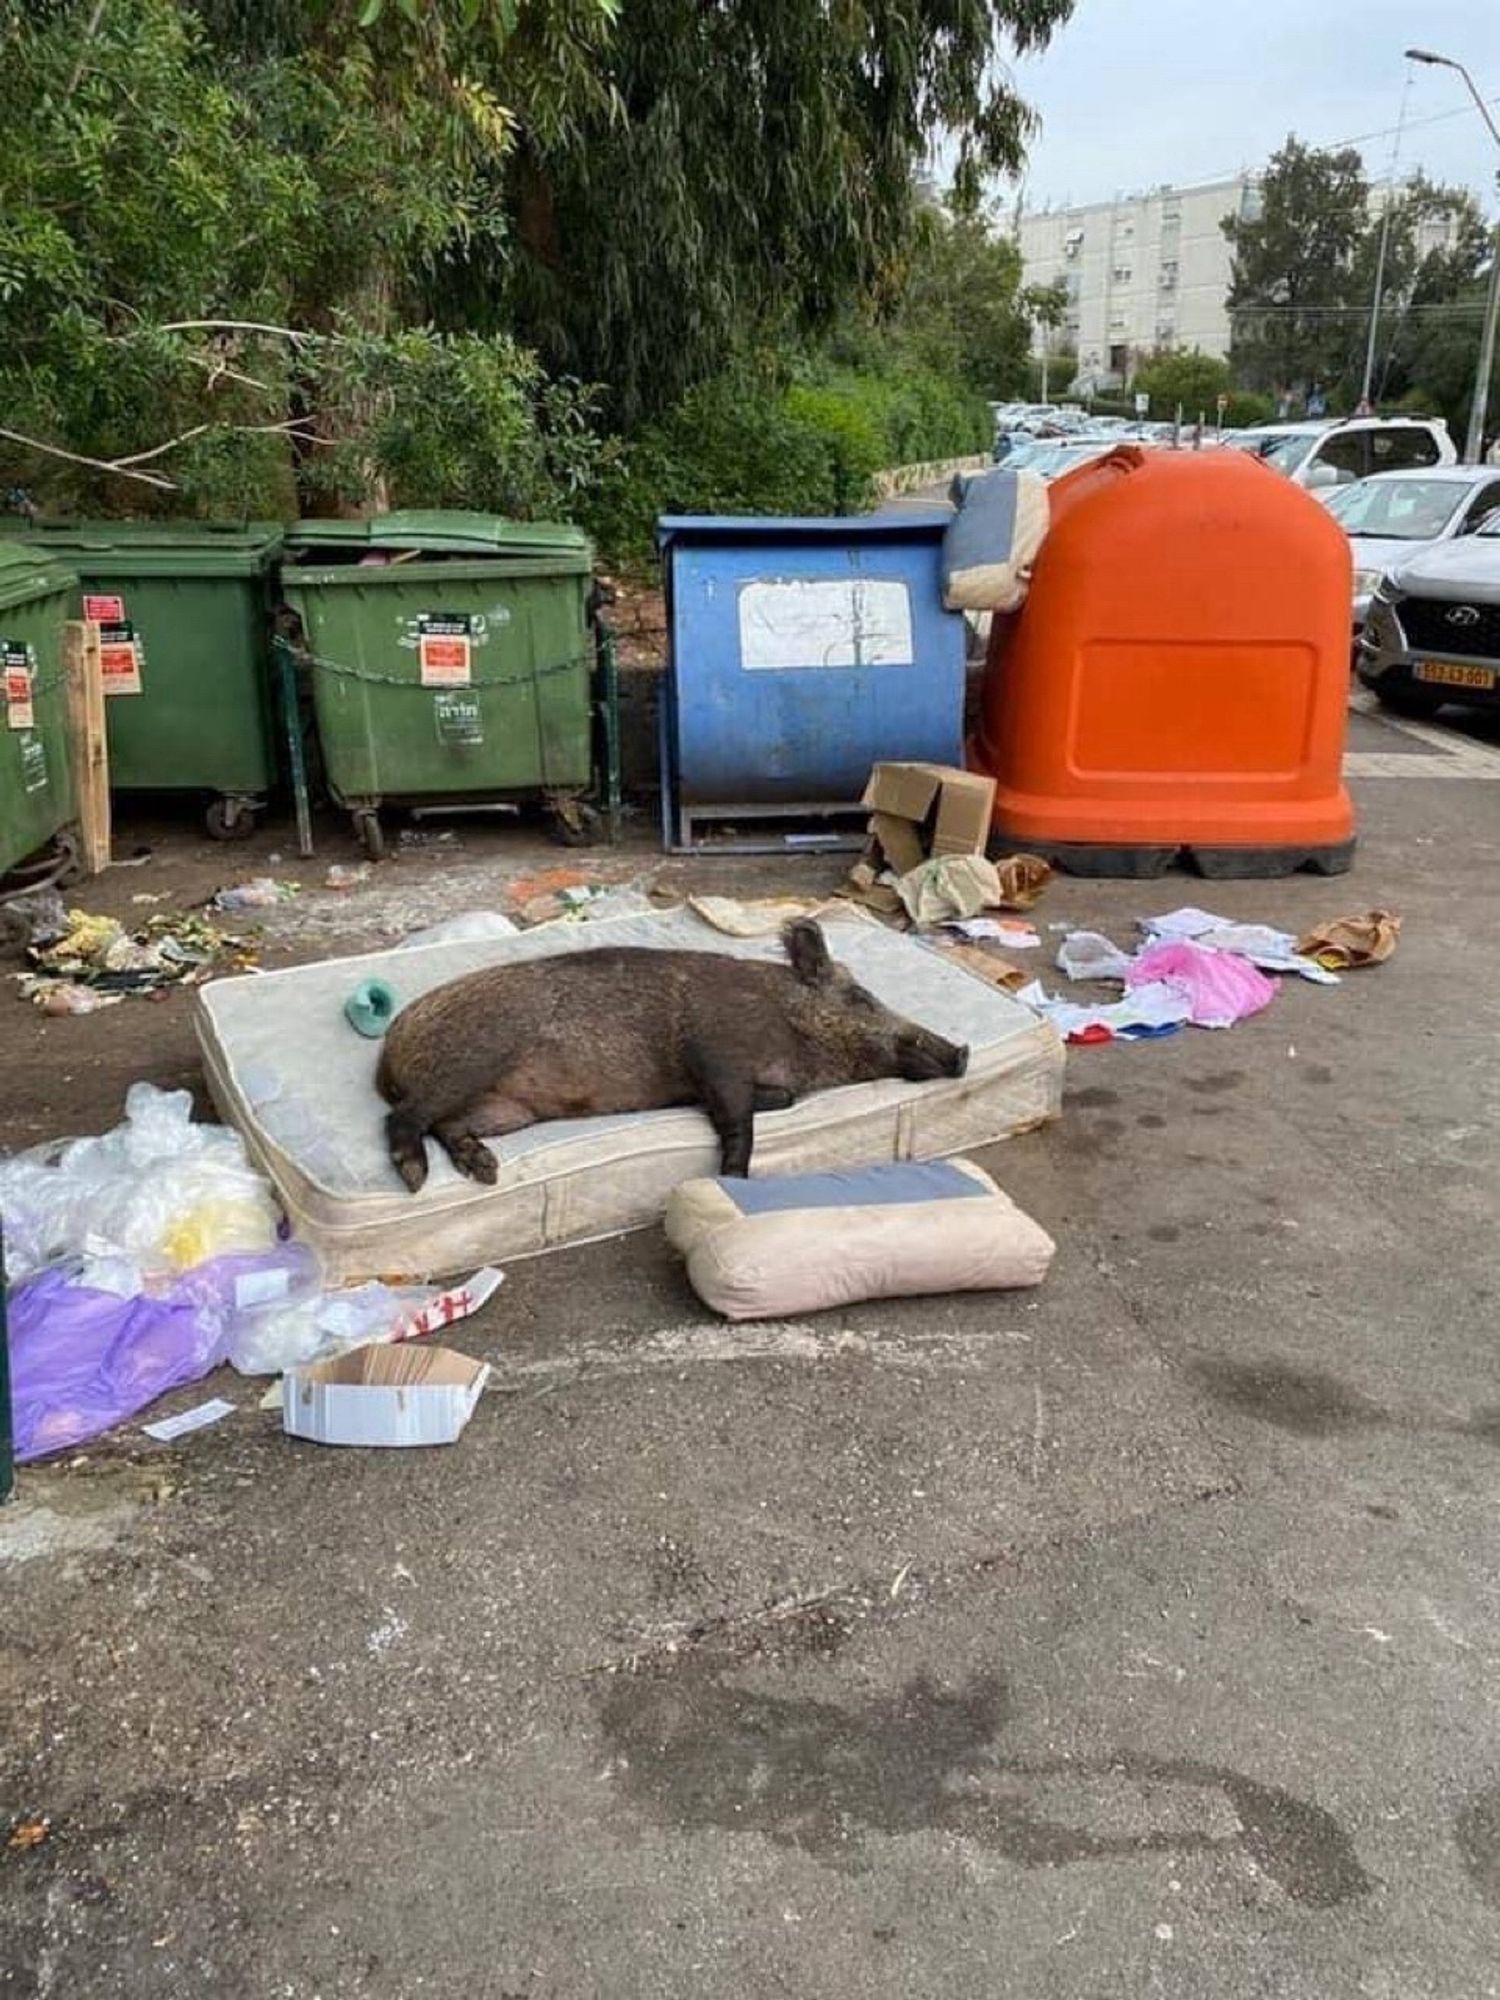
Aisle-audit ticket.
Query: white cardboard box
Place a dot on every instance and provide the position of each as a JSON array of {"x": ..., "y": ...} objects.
[{"x": 383, "y": 1395}]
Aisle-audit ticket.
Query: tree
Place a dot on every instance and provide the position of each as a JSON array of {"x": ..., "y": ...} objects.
[
  {"x": 758, "y": 174},
  {"x": 960, "y": 310},
  {"x": 1289, "y": 287},
  {"x": 1186, "y": 379}
]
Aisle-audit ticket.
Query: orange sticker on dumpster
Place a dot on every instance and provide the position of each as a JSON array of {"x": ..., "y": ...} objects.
[
  {"x": 444, "y": 652},
  {"x": 119, "y": 659}
]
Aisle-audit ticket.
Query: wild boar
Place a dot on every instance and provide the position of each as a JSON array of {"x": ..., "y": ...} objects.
[{"x": 623, "y": 1029}]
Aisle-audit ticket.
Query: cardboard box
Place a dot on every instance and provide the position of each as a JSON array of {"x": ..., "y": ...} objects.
[
  {"x": 383, "y": 1395},
  {"x": 921, "y": 810}
]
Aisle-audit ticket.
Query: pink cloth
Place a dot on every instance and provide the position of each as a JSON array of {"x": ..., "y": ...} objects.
[{"x": 1220, "y": 988}]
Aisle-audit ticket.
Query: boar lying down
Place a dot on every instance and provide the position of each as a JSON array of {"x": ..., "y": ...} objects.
[{"x": 634, "y": 1030}]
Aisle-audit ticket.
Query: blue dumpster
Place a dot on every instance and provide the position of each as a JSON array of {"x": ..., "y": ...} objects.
[{"x": 802, "y": 652}]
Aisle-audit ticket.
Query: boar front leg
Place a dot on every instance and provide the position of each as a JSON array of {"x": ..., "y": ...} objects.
[{"x": 728, "y": 1096}]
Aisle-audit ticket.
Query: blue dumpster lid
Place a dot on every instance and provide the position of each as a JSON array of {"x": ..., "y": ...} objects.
[
  {"x": 923, "y": 522},
  {"x": 437, "y": 531}
]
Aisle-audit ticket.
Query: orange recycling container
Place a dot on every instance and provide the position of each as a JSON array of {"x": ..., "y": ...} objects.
[{"x": 1176, "y": 685}]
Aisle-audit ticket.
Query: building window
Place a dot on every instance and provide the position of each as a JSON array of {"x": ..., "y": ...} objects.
[
  {"x": 1168, "y": 277},
  {"x": 1252, "y": 202},
  {"x": 1120, "y": 275}
]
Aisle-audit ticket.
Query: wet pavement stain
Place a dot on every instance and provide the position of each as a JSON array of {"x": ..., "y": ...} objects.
[
  {"x": 816, "y": 1776},
  {"x": 1092, "y": 1099},
  {"x": 1164, "y": 1232},
  {"x": 1210, "y": 1086},
  {"x": 1303, "y": 1400},
  {"x": 1315, "y": 1072},
  {"x": 1151, "y": 1121},
  {"x": 1477, "y": 1832}
]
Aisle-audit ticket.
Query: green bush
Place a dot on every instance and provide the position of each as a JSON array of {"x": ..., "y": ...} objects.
[{"x": 746, "y": 443}]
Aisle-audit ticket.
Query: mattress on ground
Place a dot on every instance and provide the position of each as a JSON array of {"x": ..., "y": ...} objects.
[{"x": 286, "y": 1069}]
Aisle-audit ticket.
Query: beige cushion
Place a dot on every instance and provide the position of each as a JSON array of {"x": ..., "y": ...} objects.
[{"x": 793, "y": 1244}]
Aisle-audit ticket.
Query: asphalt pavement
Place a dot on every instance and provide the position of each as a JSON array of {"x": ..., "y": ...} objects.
[{"x": 1138, "y": 1637}]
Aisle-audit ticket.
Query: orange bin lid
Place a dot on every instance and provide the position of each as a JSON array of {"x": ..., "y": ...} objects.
[{"x": 1179, "y": 674}]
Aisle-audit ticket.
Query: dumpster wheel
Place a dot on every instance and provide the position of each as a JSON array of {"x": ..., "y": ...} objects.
[
  {"x": 371, "y": 834},
  {"x": 230, "y": 818},
  {"x": 573, "y": 822}
]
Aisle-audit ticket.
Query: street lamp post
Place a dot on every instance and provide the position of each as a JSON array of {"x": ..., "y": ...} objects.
[{"x": 1474, "y": 445}]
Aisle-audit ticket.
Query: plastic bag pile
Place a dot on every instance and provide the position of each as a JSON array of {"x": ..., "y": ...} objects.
[{"x": 141, "y": 1259}]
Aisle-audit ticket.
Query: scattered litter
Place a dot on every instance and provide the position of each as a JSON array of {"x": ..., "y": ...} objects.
[
  {"x": 923, "y": 811},
  {"x": 38, "y": 918},
  {"x": 98, "y": 953},
  {"x": 1352, "y": 941},
  {"x": 261, "y": 892},
  {"x": 31, "y": 1831},
  {"x": 763, "y": 918},
  {"x": 1271, "y": 949},
  {"x": 990, "y": 965},
  {"x": 948, "y": 886},
  {"x": 196, "y": 1419},
  {"x": 383, "y": 1396},
  {"x": 310, "y": 1327},
  {"x": 1023, "y": 878},
  {"x": 371, "y": 1008},
  {"x": 159, "y": 1189},
  {"x": 74, "y": 1000},
  {"x": 344, "y": 875},
  {"x": 146, "y": 896},
  {"x": 83, "y": 1361},
  {"x": 998, "y": 930},
  {"x": 424, "y": 836},
  {"x": 1220, "y": 989},
  {"x": 468, "y": 927},
  {"x": 1084, "y": 955},
  {"x": 524, "y": 889},
  {"x": 1146, "y": 1014}
]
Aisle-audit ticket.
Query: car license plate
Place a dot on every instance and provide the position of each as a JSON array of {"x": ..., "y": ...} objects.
[{"x": 1447, "y": 674}]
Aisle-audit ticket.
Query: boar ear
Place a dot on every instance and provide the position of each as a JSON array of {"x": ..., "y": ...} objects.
[{"x": 808, "y": 951}]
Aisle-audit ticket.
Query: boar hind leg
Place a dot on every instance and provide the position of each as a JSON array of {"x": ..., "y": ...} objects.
[
  {"x": 729, "y": 1097},
  {"x": 460, "y": 1137}
]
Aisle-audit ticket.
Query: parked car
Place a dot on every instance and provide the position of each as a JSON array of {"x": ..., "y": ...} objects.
[
  {"x": 1337, "y": 452},
  {"x": 1390, "y": 516},
  {"x": 1433, "y": 634}
]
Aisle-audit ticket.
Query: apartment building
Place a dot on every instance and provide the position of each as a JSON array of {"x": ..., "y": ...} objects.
[{"x": 1148, "y": 270}]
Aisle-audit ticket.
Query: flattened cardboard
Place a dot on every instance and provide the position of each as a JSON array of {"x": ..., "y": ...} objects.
[
  {"x": 900, "y": 798},
  {"x": 382, "y": 1394}
]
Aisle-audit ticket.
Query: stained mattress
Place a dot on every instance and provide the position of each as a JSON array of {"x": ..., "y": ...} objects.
[{"x": 286, "y": 1069}]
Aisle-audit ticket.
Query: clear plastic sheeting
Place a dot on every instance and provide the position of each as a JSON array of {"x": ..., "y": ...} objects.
[{"x": 159, "y": 1193}]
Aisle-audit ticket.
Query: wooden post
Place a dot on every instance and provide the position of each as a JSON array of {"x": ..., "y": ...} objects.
[{"x": 90, "y": 750}]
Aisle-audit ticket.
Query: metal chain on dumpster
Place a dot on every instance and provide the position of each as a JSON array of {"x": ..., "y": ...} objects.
[{"x": 343, "y": 672}]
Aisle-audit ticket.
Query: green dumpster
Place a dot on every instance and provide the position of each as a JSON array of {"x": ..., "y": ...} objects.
[
  {"x": 451, "y": 658},
  {"x": 36, "y": 780},
  {"x": 183, "y": 615}
]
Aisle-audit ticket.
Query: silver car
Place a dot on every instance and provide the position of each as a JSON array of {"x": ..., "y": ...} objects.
[
  {"x": 1433, "y": 634},
  {"x": 1391, "y": 516}
]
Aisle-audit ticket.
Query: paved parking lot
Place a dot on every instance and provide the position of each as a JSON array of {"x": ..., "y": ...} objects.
[{"x": 1139, "y": 1637}]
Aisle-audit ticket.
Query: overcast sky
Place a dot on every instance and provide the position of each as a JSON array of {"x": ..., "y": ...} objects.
[{"x": 1135, "y": 92}]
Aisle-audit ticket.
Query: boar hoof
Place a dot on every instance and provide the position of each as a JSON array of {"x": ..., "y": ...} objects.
[{"x": 471, "y": 1156}]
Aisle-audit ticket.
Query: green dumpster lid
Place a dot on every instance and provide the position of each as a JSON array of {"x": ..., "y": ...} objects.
[
  {"x": 26, "y": 573},
  {"x": 438, "y": 532},
  {"x": 213, "y": 546}
]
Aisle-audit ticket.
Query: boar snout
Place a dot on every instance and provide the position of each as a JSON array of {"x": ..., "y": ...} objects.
[{"x": 923, "y": 1057}]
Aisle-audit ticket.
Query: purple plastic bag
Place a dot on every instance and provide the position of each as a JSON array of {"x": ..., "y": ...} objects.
[
  {"x": 1220, "y": 987},
  {"x": 82, "y": 1361}
]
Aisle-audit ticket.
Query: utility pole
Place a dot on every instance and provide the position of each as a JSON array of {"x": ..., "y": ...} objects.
[
  {"x": 1474, "y": 445},
  {"x": 1385, "y": 238}
]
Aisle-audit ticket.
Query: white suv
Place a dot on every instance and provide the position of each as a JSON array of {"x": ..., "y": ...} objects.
[{"x": 1336, "y": 452}]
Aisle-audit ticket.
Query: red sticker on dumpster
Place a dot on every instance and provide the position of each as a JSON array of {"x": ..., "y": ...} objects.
[
  {"x": 104, "y": 610},
  {"x": 119, "y": 659},
  {"x": 17, "y": 663},
  {"x": 444, "y": 651}
]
